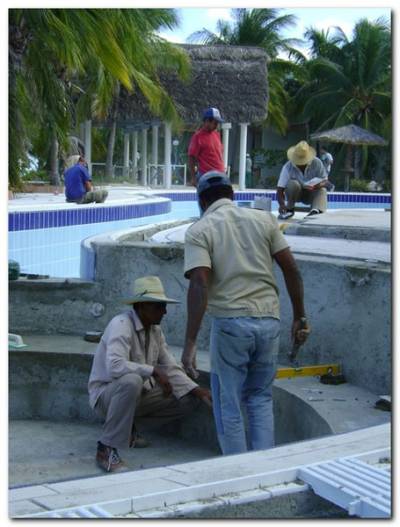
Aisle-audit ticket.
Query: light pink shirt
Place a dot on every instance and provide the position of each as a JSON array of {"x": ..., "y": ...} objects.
[{"x": 122, "y": 350}]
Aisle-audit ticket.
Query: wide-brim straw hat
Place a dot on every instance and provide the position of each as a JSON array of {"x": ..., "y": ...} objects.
[
  {"x": 301, "y": 154},
  {"x": 148, "y": 289}
]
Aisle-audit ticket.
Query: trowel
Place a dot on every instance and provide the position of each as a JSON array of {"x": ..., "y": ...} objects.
[{"x": 297, "y": 343}]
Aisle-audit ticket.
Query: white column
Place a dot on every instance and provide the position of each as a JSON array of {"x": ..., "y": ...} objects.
[
  {"x": 134, "y": 153},
  {"x": 242, "y": 156},
  {"x": 167, "y": 156},
  {"x": 225, "y": 142},
  {"x": 88, "y": 144},
  {"x": 154, "y": 144},
  {"x": 154, "y": 154},
  {"x": 143, "y": 157},
  {"x": 126, "y": 155}
]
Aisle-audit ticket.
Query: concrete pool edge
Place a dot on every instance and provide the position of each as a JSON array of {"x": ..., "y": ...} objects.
[{"x": 210, "y": 479}]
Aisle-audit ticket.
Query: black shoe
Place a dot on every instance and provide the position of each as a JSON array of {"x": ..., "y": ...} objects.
[
  {"x": 313, "y": 212},
  {"x": 286, "y": 215}
]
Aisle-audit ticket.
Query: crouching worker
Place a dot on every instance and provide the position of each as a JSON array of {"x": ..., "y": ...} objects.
[
  {"x": 78, "y": 185},
  {"x": 134, "y": 375}
]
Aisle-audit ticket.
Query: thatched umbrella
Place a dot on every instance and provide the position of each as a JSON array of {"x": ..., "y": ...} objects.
[
  {"x": 350, "y": 135},
  {"x": 231, "y": 78}
]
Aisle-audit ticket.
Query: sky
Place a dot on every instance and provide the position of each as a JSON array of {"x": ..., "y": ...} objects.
[{"x": 195, "y": 19}]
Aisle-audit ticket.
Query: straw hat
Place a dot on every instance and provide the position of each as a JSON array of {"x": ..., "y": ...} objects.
[
  {"x": 148, "y": 289},
  {"x": 301, "y": 154}
]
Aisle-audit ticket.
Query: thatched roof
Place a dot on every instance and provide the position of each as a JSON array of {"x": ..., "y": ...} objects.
[
  {"x": 230, "y": 78},
  {"x": 350, "y": 135}
]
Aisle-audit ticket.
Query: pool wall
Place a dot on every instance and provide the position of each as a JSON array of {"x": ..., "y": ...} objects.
[{"x": 348, "y": 303}]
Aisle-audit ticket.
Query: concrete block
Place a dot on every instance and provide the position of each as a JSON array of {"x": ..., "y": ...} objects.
[
  {"x": 23, "y": 507},
  {"x": 109, "y": 493},
  {"x": 287, "y": 488},
  {"x": 117, "y": 507},
  {"x": 26, "y": 493},
  {"x": 137, "y": 477},
  {"x": 163, "y": 512},
  {"x": 246, "y": 496}
]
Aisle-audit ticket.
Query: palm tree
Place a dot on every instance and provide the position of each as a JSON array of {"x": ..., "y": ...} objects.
[
  {"x": 349, "y": 81},
  {"x": 147, "y": 54},
  {"x": 50, "y": 50},
  {"x": 351, "y": 84},
  {"x": 261, "y": 27}
]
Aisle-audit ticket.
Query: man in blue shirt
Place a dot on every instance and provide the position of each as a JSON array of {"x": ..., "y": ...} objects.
[{"x": 78, "y": 185}]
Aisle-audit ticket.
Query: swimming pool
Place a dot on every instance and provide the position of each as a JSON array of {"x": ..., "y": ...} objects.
[{"x": 55, "y": 251}]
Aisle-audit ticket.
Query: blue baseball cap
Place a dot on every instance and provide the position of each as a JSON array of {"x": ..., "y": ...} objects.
[
  {"x": 212, "y": 179},
  {"x": 212, "y": 113}
]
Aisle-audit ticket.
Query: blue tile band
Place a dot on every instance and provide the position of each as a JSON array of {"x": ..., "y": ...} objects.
[
  {"x": 33, "y": 220},
  {"x": 44, "y": 219}
]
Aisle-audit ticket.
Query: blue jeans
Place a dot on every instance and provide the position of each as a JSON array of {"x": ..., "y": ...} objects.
[{"x": 243, "y": 355}]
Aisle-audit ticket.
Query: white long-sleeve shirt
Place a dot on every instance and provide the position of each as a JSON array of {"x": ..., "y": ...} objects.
[{"x": 122, "y": 349}]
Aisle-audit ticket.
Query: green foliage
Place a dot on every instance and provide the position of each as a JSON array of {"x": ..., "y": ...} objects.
[
  {"x": 349, "y": 81},
  {"x": 269, "y": 158},
  {"x": 359, "y": 185},
  {"x": 65, "y": 65},
  {"x": 270, "y": 181}
]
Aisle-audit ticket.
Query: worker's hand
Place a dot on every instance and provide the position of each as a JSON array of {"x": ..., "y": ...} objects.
[
  {"x": 300, "y": 331},
  {"x": 282, "y": 209},
  {"x": 203, "y": 394},
  {"x": 163, "y": 381},
  {"x": 188, "y": 360}
]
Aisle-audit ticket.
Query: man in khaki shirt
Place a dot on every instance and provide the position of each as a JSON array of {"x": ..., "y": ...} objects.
[
  {"x": 229, "y": 256},
  {"x": 134, "y": 375}
]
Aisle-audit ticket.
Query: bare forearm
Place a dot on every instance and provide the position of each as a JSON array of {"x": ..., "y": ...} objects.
[
  {"x": 192, "y": 168},
  {"x": 294, "y": 286},
  {"x": 196, "y": 306},
  {"x": 280, "y": 195}
]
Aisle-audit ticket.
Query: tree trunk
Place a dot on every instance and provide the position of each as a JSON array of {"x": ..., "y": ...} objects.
[
  {"x": 54, "y": 176},
  {"x": 109, "y": 173},
  {"x": 357, "y": 163},
  {"x": 18, "y": 40}
]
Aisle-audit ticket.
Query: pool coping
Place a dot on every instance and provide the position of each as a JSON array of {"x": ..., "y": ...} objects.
[
  {"x": 220, "y": 478},
  {"x": 158, "y": 202}
]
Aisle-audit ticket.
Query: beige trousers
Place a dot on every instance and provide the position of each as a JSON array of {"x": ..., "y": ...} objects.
[
  {"x": 124, "y": 399},
  {"x": 295, "y": 193}
]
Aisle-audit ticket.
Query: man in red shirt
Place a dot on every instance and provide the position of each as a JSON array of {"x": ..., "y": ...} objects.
[{"x": 205, "y": 149}]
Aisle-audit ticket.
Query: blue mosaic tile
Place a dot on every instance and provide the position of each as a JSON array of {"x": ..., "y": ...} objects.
[{"x": 11, "y": 222}]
